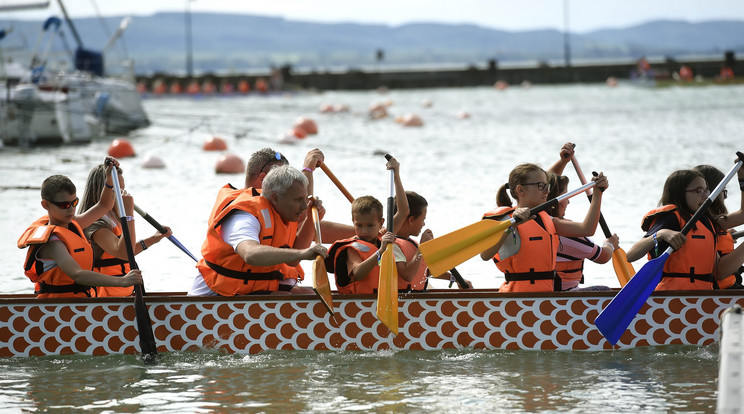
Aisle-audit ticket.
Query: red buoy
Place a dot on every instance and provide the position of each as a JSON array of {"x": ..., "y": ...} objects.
[
  {"x": 229, "y": 164},
  {"x": 214, "y": 144},
  {"x": 121, "y": 148},
  {"x": 307, "y": 124}
]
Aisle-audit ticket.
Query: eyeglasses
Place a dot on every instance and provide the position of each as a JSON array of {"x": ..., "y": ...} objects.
[
  {"x": 64, "y": 205},
  {"x": 540, "y": 186},
  {"x": 699, "y": 191},
  {"x": 277, "y": 156}
]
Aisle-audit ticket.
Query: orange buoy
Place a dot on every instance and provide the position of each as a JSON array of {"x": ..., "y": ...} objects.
[
  {"x": 501, "y": 85},
  {"x": 214, "y": 144},
  {"x": 299, "y": 132},
  {"x": 121, "y": 148},
  {"x": 261, "y": 85},
  {"x": 141, "y": 87},
  {"x": 176, "y": 88},
  {"x": 685, "y": 73},
  {"x": 463, "y": 115},
  {"x": 411, "y": 120},
  {"x": 208, "y": 87},
  {"x": 307, "y": 124},
  {"x": 611, "y": 81},
  {"x": 378, "y": 111},
  {"x": 159, "y": 87},
  {"x": 426, "y": 103},
  {"x": 193, "y": 88},
  {"x": 244, "y": 86},
  {"x": 326, "y": 108},
  {"x": 226, "y": 88},
  {"x": 229, "y": 164}
]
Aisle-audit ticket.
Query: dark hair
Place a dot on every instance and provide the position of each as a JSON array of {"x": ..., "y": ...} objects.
[
  {"x": 675, "y": 192},
  {"x": 55, "y": 184},
  {"x": 416, "y": 204},
  {"x": 558, "y": 184},
  {"x": 713, "y": 176},
  {"x": 260, "y": 160},
  {"x": 516, "y": 176}
]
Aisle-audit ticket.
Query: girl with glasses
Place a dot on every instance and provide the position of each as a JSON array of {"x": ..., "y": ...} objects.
[
  {"x": 695, "y": 264},
  {"x": 59, "y": 258},
  {"x": 527, "y": 251}
]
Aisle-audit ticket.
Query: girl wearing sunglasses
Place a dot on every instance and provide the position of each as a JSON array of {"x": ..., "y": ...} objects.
[{"x": 59, "y": 258}]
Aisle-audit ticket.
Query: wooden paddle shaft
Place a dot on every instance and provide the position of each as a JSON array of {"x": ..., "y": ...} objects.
[
  {"x": 602, "y": 222},
  {"x": 337, "y": 182}
]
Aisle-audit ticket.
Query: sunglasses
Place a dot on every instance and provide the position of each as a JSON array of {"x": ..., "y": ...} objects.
[
  {"x": 277, "y": 156},
  {"x": 64, "y": 205}
]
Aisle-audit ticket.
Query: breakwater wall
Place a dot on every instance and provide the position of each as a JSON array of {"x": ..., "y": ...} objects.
[{"x": 286, "y": 78}]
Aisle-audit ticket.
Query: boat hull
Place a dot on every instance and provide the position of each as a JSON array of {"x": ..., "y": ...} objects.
[{"x": 431, "y": 321}]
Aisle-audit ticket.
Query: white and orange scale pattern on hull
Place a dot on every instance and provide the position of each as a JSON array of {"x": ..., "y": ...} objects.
[{"x": 476, "y": 319}]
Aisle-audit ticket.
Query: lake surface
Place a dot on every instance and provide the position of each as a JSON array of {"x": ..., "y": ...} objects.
[{"x": 636, "y": 136}]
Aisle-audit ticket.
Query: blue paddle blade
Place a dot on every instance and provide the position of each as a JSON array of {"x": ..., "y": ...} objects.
[{"x": 619, "y": 313}]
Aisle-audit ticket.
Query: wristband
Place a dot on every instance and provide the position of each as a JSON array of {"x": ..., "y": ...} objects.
[
  {"x": 130, "y": 218},
  {"x": 108, "y": 186},
  {"x": 606, "y": 243},
  {"x": 143, "y": 244},
  {"x": 656, "y": 246},
  {"x": 379, "y": 257},
  {"x": 308, "y": 169}
]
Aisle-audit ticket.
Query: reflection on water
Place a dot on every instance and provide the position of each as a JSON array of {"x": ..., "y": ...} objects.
[{"x": 641, "y": 380}]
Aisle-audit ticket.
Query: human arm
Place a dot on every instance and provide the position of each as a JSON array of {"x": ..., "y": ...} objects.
[
  {"x": 737, "y": 217},
  {"x": 256, "y": 254},
  {"x": 306, "y": 232},
  {"x": 671, "y": 237},
  {"x": 313, "y": 159},
  {"x": 401, "y": 201},
  {"x": 106, "y": 200},
  {"x": 57, "y": 251},
  {"x": 564, "y": 157},
  {"x": 728, "y": 264},
  {"x": 332, "y": 231},
  {"x": 358, "y": 268},
  {"x": 607, "y": 248},
  {"x": 587, "y": 227}
]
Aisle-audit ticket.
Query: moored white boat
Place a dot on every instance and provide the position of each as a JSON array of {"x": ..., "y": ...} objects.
[{"x": 428, "y": 321}]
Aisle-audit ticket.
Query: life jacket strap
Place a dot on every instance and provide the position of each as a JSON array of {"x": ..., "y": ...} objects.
[
  {"x": 530, "y": 276},
  {"x": 245, "y": 276},
  {"x": 708, "y": 277},
  {"x": 73, "y": 288}
]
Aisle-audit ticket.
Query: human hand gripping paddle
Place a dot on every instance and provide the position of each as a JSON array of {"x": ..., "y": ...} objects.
[
  {"x": 144, "y": 325},
  {"x": 321, "y": 286},
  {"x": 162, "y": 230},
  {"x": 387, "y": 287},
  {"x": 458, "y": 278},
  {"x": 447, "y": 251},
  {"x": 623, "y": 269},
  {"x": 619, "y": 313}
]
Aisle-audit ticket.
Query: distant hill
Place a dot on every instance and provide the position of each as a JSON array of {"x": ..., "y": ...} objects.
[{"x": 230, "y": 42}]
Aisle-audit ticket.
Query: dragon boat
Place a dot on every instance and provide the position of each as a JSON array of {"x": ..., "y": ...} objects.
[{"x": 478, "y": 319}]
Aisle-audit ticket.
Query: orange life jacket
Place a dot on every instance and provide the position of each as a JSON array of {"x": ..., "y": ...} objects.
[
  {"x": 725, "y": 245},
  {"x": 113, "y": 266},
  {"x": 570, "y": 270},
  {"x": 410, "y": 249},
  {"x": 532, "y": 269},
  {"x": 691, "y": 267},
  {"x": 337, "y": 266},
  {"x": 224, "y": 271},
  {"x": 54, "y": 283}
]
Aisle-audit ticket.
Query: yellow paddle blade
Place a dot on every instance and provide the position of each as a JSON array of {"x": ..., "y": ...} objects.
[
  {"x": 447, "y": 251},
  {"x": 623, "y": 269},
  {"x": 387, "y": 291},
  {"x": 321, "y": 286}
]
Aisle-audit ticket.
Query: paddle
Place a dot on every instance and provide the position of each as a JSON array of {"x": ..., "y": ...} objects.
[
  {"x": 321, "y": 286},
  {"x": 162, "y": 230},
  {"x": 459, "y": 279},
  {"x": 337, "y": 182},
  {"x": 144, "y": 326},
  {"x": 619, "y": 313},
  {"x": 447, "y": 251},
  {"x": 623, "y": 269},
  {"x": 387, "y": 287},
  {"x": 737, "y": 234}
]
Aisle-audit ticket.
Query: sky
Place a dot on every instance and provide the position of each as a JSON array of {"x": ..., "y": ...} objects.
[{"x": 512, "y": 15}]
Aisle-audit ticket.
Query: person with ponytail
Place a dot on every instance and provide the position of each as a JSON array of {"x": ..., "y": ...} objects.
[{"x": 526, "y": 254}]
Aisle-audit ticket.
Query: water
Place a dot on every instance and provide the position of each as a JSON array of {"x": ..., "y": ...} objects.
[{"x": 636, "y": 136}]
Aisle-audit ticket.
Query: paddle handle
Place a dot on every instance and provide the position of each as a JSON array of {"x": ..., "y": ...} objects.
[
  {"x": 602, "y": 222},
  {"x": 337, "y": 182},
  {"x": 737, "y": 234},
  {"x": 554, "y": 201},
  {"x": 150, "y": 220},
  {"x": 459, "y": 279},
  {"x": 391, "y": 197},
  {"x": 713, "y": 195},
  {"x": 123, "y": 220},
  {"x": 316, "y": 220}
]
